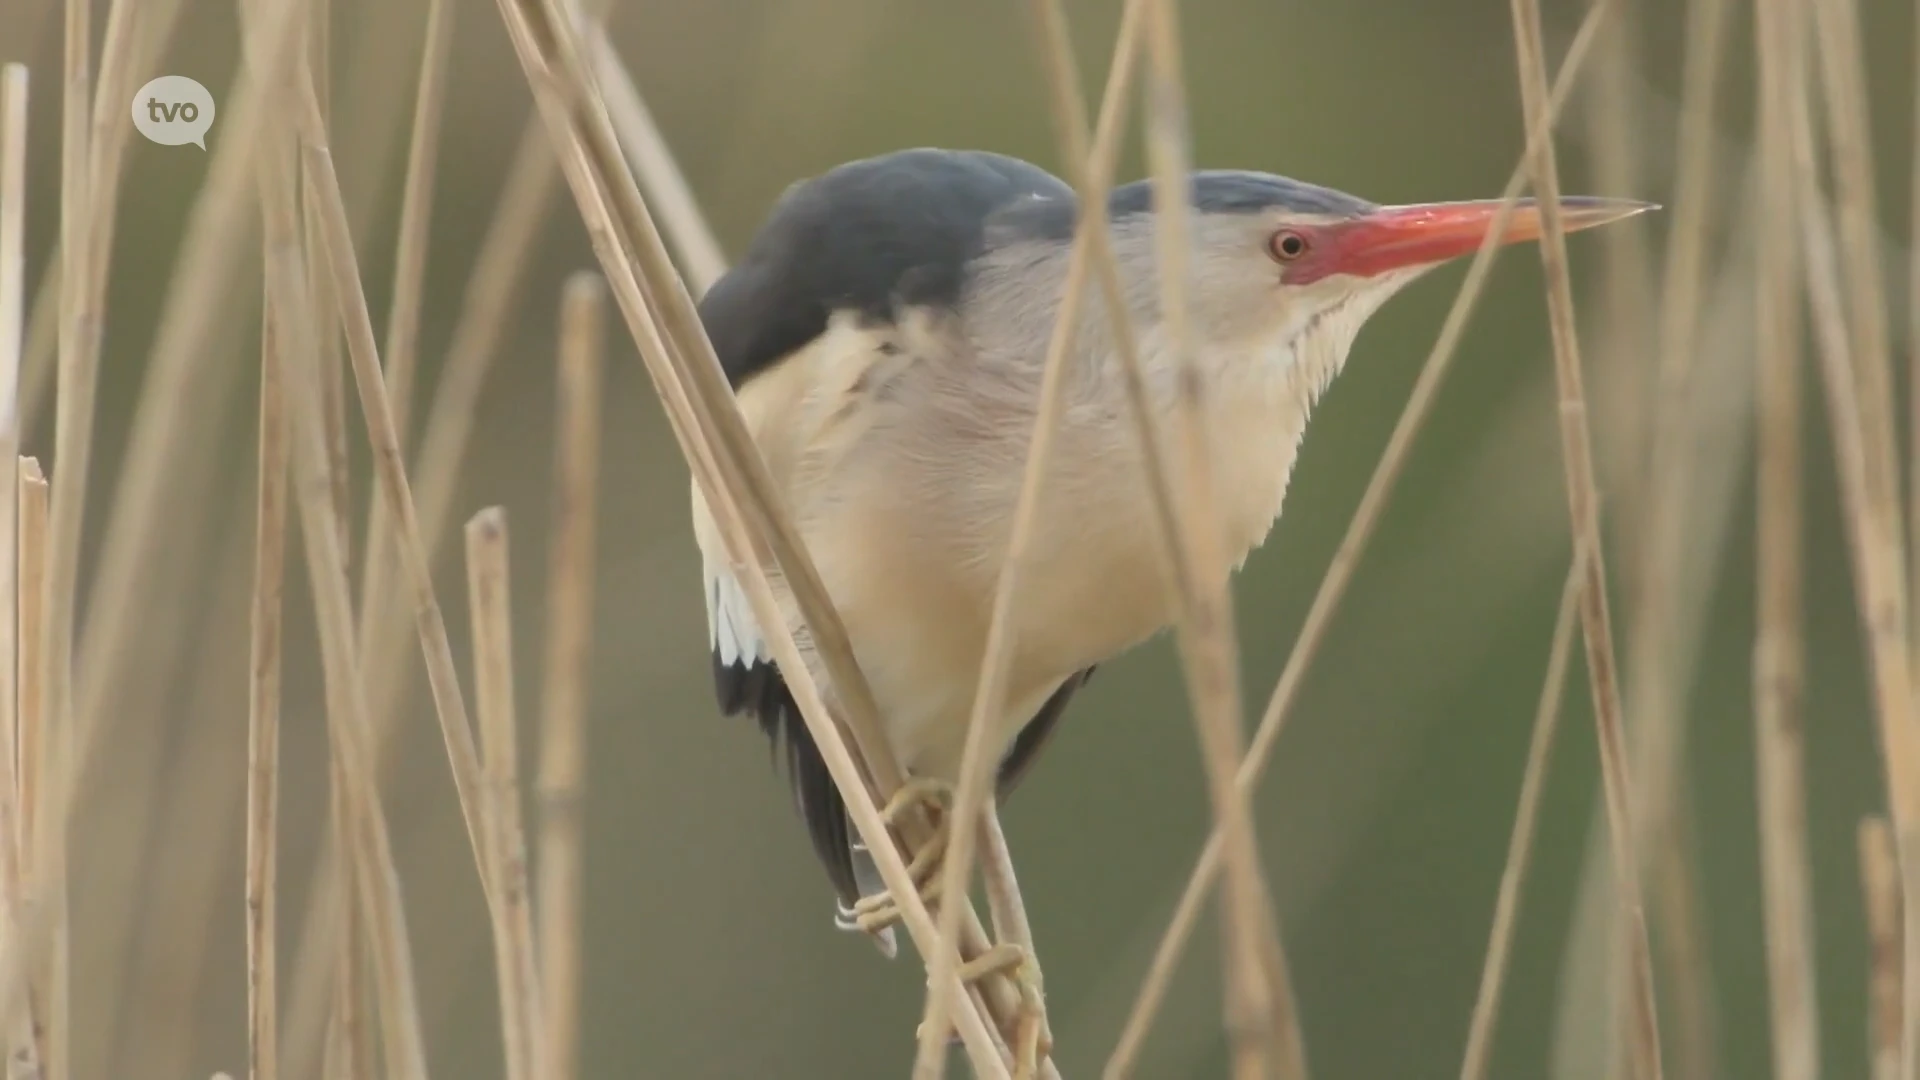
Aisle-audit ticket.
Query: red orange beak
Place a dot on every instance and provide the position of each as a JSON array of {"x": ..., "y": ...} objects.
[{"x": 1401, "y": 237}]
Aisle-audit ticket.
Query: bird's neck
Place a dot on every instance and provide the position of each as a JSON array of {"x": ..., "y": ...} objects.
[{"x": 1255, "y": 402}]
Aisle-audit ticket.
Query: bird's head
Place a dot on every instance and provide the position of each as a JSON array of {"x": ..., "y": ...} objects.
[{"x": 1278, "y": 262}]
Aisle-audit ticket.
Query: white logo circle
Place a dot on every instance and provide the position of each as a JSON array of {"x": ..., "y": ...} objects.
[{"x": 173, "y": 110}]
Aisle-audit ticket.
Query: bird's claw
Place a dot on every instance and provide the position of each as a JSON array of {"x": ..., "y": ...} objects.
[
  {"x": 917, "y": 792},
  {"x": 1029, "y": 1038},
  {"x": 877, "y": 912}
]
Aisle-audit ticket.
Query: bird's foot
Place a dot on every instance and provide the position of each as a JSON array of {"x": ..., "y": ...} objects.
[
  {"x": 879, "y": 911},
  {"x": 1029, "y": 1039}
]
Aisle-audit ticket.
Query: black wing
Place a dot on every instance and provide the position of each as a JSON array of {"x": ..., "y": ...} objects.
[
  {"x": 1033, "y": 738},
  {"x": 759, "y": 689}
]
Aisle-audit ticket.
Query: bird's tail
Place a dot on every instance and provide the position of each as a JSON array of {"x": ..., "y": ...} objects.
[{"x": 867, "y": 876}]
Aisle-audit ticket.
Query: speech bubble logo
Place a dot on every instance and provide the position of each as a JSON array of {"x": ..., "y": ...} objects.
[{"x": 173, "y": 110}]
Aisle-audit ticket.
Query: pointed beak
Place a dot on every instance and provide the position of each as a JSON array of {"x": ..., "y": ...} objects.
[{"x": 1402, "y": 237}]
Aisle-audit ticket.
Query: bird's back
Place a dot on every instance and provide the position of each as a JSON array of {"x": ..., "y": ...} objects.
[{"x": 872, "y": 237}]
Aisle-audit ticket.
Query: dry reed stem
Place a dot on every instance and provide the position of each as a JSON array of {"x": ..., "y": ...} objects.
[
  {"x": 1583, "y": 510},
  {"x": 489, "y": 596},
  {"x": 390, "y": 470},
  {"x": 1070, "y": 123},
  {"x": 136, "y": 35},
  {"x": 597, "y": 173},
  {"x": 1533, "y": 781},
  {"x": 23, "y": 1057},
  {"x": 478, "y": 329},
  {"x": 560, "y": 798},
  {"x": 35, "y": 748},
  {"x": 347, "y": 1048},
  {"x": 402, "y": 350},
  {"x": 263, "y": 715},
  {"x": 1261, "y": 1018},
  {"x": 1004, "y": 905},
  {"x": 1626, "y": 277},
  {"x": 349, "y": 1053},
  {"x": 79, "y": 360},
  {"x": 316, "y": 66},
  {"x": 1656, "y": 678},
  {"x": 13, "y": 228},
  {"x": 1913, "y": 353},
  {"x": 1664, "y": 538},
  {"x": 517, "y": 213},
  {"x": 1094, "y": 179},
  {"x": 409, "y": 284},
  {"x": 1880, "y": 891},
  {"x": 287, "y": 245},
  {"x": 376, "y": 883},
  {"x": 1843, "y": 78},
  {"x": 653, "y": 163},
  {"x": 1873, "y": 526},
  {"x": 1340, "y": 568},
  {"x": 1779, "y": 679}
]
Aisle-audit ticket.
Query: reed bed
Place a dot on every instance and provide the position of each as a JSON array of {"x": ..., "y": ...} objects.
[{"x": 330, "y": 935}]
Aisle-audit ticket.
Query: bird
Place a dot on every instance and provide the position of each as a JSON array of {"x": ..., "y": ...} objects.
[{"x": 885, "y": 335}]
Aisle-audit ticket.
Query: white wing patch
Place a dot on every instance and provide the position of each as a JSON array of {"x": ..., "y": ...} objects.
[{"x": 731, "y": 628}]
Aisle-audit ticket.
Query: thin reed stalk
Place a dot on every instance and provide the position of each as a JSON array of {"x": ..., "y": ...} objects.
[
  {"x": 349, "y": 1051},
  {"x": 653, "y": 164},
  {"x": 317, "y": 67},
  {"x": 1913, "y": 353},
  {"x": 402, "y": 350},
  {"x": 1880, "y": 892},
  {"x": 1533, "y": 781},
  {"x": 1262, "y": 1020},
  {"x": 23, "y": 1053},
  {"x": 78, "y": 376},
  {"x": 389, "y": 468},
  {"x": 478, "y": 329},
  {"x": 560, "y": 797},
  {"x": 1340, "y": 569},
  {"x": 263, "y": 715},
  {"x": 1779, "y": 678},
  {"x": 1095, "y": 179},
  {"x": 136, "y": 35},
  {"x": 376, "y": 881},
  {"x": 1657, "y": 675},
  {"x": 1583, "y": 509},
  {"x": 13, "y": 229},
  {"x": 34, "y": 748},
  {"x": 598, "y": 174},
  {"x": 490, "y": 602},
  {"x": 416, "y": 214},
  {"x": 1862, "y": 443}
]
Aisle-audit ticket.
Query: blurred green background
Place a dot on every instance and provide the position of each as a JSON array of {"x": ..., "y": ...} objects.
[{"x": 1384, "y": 819}]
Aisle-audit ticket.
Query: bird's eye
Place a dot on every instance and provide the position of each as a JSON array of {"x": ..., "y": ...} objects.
[{"x": 1287, "y": 245}]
